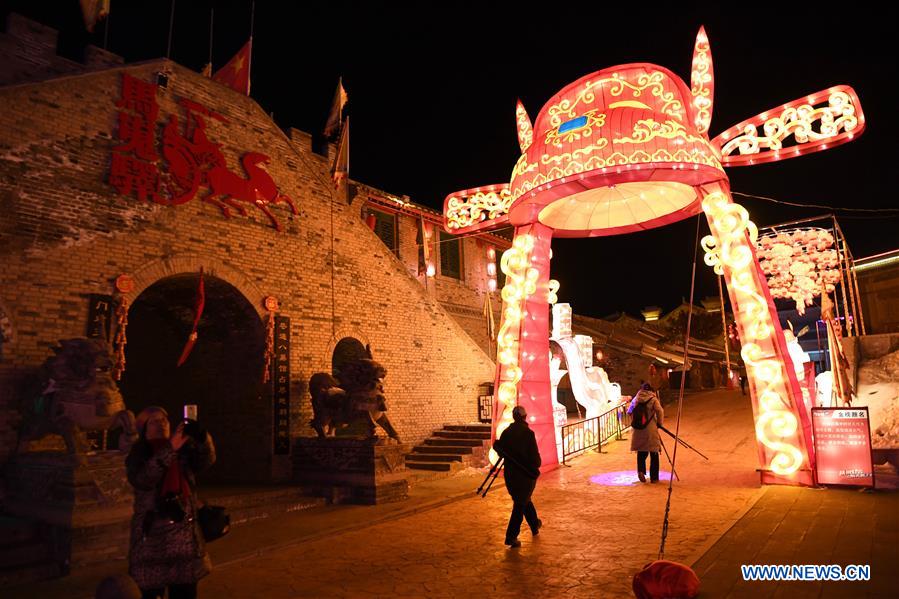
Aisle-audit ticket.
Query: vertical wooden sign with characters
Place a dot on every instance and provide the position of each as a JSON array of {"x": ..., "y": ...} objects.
[
  {"x": 281, "y": 385},
  {"x": 99, "y": 316}
]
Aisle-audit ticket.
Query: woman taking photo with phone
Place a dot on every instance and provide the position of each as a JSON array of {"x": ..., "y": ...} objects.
[{"x": 167, "y": 548}]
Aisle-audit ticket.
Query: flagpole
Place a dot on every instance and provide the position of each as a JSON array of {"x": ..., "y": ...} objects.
[
  {"x": 252, "y": 30},
  {"x": 168, "y": 51},
  {"x": 346, "y": 181},
  {"x": 106, "y": 30},
  {"x": 333, "y": 303},
  {"x": 424, "y": 251},
  {"x": 211, "y": 23}
]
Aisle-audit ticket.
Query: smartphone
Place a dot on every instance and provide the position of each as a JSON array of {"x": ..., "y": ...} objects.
[{"x": 190, "y": 412}]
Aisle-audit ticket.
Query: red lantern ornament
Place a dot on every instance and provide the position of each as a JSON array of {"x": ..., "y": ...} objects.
[{"x": 626, "y": 149}]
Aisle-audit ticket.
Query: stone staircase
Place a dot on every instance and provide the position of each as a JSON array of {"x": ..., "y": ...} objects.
[{"x": 450, "y": 449}]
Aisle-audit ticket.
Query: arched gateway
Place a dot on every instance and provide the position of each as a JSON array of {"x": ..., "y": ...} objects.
[
  {"x": 627, "y": 149},
  {"x": 223, "y": 374}
]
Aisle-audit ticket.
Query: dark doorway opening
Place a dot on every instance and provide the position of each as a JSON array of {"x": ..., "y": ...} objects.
[{"x": 222, "y": 375}]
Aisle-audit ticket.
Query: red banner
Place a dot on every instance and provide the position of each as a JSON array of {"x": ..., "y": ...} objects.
[{"x": 843, "y": 446}]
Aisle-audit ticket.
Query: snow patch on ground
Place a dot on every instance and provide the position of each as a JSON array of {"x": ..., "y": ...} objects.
[{"x": 878, "y": 389}]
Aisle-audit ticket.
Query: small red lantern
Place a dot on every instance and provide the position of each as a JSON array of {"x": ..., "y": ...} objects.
[{"x": 124, "y": 284}]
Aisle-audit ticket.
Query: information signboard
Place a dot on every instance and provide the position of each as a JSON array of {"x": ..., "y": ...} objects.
[{"x": 843, "y": 446}]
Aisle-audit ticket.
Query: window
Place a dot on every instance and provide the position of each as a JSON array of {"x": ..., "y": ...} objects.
[
  {"x": 386, "y": 229},
  {"x": 450, "y": 256}
]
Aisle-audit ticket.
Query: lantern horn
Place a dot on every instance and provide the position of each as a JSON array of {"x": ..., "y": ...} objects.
[
  {"x": 815, "y": 122},
  {"x": 525, "y": 129},
  {"x": 702, "y": 82}
]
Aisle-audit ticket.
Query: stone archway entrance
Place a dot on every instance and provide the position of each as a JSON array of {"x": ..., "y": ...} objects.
[{"x": 223, "y": 374}]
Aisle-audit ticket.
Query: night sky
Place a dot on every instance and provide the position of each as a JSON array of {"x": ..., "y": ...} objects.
[{"x": 432, "y": 90}]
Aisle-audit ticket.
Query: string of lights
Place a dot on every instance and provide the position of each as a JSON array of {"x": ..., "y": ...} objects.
[
  {"x": 456, "y": 238},
  {"x": 878, "y": 211}
]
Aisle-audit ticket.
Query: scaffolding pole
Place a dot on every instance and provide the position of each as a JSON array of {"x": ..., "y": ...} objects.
[
  {"x": 853, "y": 285},
  {"x": 844, "y": 284}
]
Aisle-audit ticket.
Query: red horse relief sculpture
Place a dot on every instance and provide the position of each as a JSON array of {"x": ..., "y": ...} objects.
[{"x": 192, "y": 160}]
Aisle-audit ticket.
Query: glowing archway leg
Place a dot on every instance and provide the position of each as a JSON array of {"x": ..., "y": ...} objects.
[
  {"x": 522, "y": 343},
  {"x": 781, "y": 423}
]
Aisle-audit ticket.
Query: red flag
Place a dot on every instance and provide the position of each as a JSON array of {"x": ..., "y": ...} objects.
[
  {"x": 93, "y": 11},
  {"x": 341, "y": 168},
  {"x": 236, "y": 74},
  {"x": 198, "y": 312},
  {"x": 336, "y": 114}
]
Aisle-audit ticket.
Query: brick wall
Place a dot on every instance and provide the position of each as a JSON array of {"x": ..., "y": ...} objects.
[
  {"x": 66, "y": 233},
  {"x": 28, "y": 53},
  {"x": 462, "y": 298}
]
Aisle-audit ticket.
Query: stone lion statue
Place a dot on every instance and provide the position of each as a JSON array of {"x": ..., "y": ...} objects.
[
  {"x": 353, "y": 404},
  {"x": 76, "y": 393}
]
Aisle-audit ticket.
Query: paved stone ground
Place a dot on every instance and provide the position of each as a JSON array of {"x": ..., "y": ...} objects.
[
  {"x": 792, "y": 525},
  {"x": 595, "y": 537}
]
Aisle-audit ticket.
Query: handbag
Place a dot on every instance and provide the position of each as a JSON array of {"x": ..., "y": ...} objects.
[{"x": 214, "y": 522}]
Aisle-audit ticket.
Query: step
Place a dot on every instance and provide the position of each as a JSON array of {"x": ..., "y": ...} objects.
[
  {"x": 251, "y": 496},
  {"x": 16, "y": 530},
  {"x": 462, "y": 434},
  {"x": 474, "y": 428},
  {"x": 29, "y": 573},
  {"x": 22, "y": 554},
  {"x": 433, "y": 457},
  {"x": 249, "y": 504},
  {"x": 445, "y": 466},
  {"x": 456, "y": 442},
  {"x": 246, "y": 514},
  {"x": 457, "y": 449}
]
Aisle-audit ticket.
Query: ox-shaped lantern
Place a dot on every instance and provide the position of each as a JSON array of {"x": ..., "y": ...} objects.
[{"x": 626, "y": 149}]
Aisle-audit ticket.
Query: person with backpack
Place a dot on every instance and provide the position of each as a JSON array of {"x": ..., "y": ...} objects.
[{"x": 647, "y": 416}]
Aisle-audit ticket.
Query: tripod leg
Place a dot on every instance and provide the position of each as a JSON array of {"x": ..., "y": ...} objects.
[
  {"x": 668, "y": 457},
  {"x": 493, "y": 480},
  {"x": 682, "y": 442},
  {"x": 486, "y": 478},
  {"x": 493, "y": 468}
]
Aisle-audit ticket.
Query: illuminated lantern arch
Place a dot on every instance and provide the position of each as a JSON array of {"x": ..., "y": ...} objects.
[{"x": 626, "y": 149}]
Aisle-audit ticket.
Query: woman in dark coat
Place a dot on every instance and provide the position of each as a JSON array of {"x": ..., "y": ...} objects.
[
  {"x": 167, "y": 547},
  {"x": 646, "y": 441}
]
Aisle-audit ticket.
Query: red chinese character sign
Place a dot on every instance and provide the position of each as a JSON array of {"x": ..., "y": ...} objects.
[
  {"x": 627, "y": 149},
  {"x": 191, "y": 161},
  {"x": 843, "y": 446}
]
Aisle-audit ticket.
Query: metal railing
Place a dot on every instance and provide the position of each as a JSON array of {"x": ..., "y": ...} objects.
[{"x": 578, "y": 437}]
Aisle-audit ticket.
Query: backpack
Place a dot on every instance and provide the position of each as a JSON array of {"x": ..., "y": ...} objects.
[{"x": 640, "y": 415}]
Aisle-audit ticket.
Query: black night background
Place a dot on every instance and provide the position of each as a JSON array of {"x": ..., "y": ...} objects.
[{"x": 432, "y": 90}]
